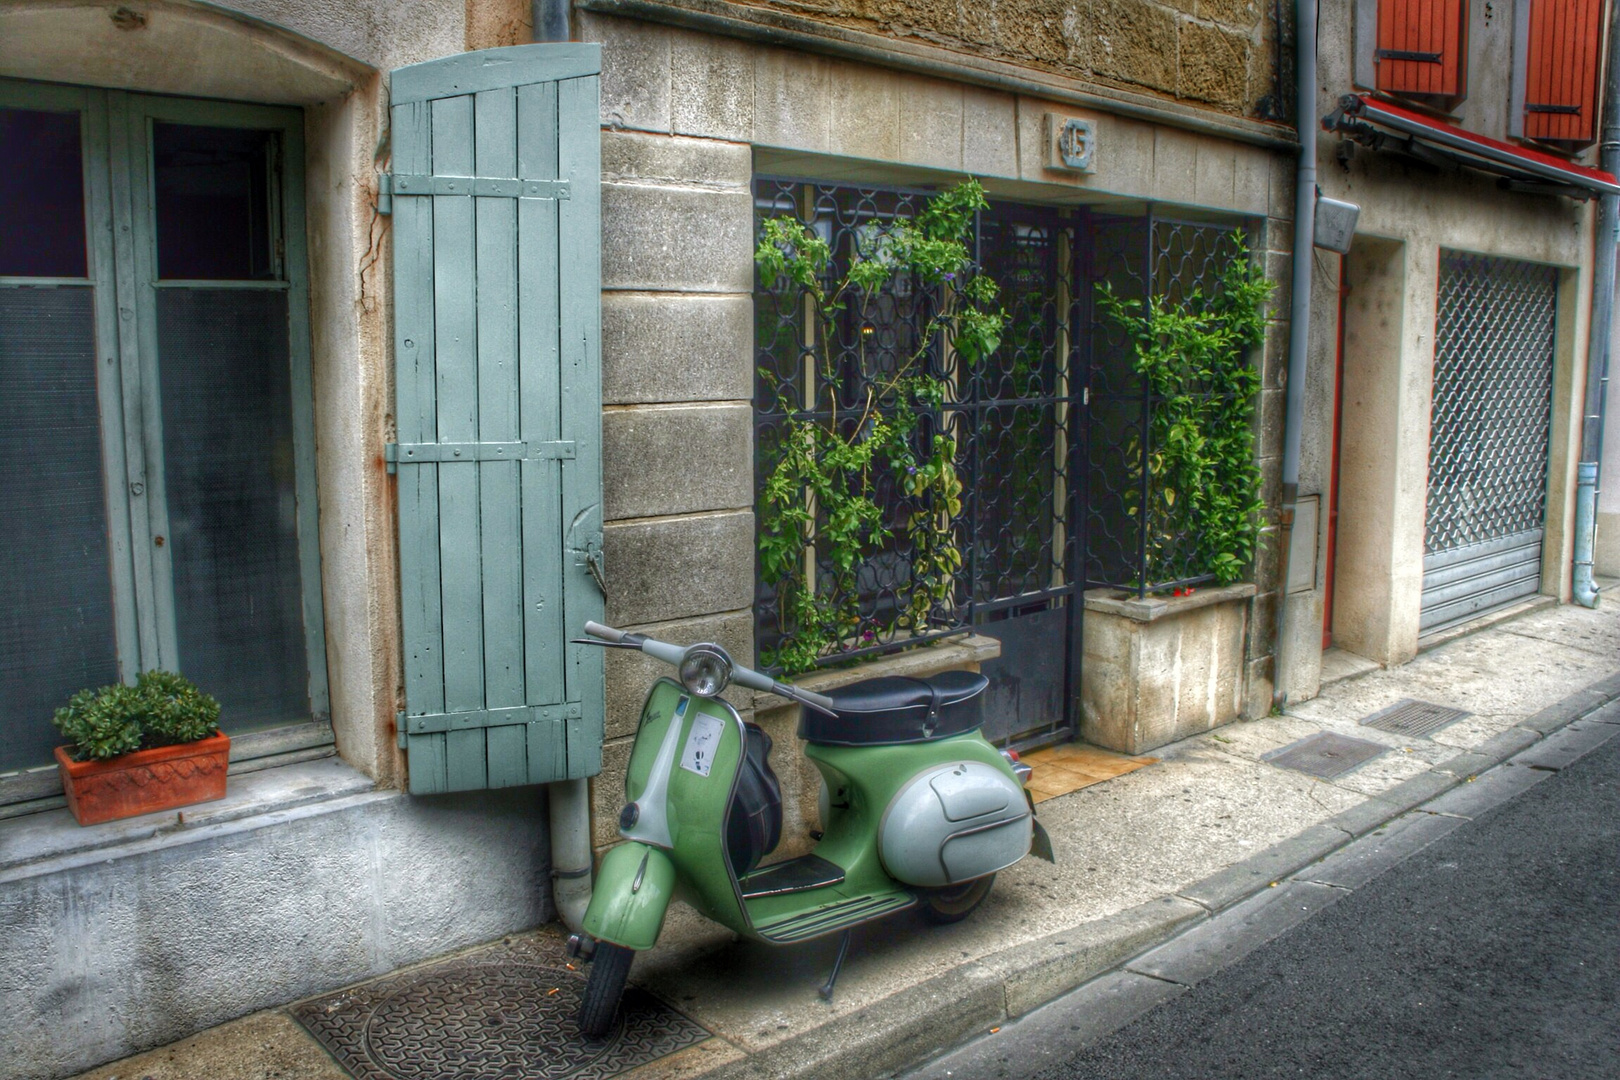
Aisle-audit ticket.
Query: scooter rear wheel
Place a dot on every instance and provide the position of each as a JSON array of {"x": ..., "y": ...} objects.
[
  {"x": 953, "y": 903},
  {"x": 609, "y": 969}
]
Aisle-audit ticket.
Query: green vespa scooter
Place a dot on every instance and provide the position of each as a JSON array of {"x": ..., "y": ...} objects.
[{"x": 917, "y": 810}]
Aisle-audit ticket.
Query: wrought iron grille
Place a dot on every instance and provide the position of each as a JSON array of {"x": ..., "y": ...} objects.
[
  {"x": 1135, "y": 538},
  {"x": 1054, "y": 473},
  {"x": 1492, "y": 402}
]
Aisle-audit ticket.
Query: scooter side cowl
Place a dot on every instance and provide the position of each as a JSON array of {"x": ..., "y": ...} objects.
[{"x": 953, "y": 823}]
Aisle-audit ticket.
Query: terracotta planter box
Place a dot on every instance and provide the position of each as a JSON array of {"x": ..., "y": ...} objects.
[{"x": 146, "y": 781}]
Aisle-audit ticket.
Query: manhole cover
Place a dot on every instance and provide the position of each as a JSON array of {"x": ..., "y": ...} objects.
[
  {"x": 1325, "y": 754},
  {"x": 487, "y": 1020},
  {"x": 1412, "y": 717}
]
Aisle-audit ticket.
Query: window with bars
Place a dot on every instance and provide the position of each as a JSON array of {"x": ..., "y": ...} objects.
[{"x": 1053, "y": 433}]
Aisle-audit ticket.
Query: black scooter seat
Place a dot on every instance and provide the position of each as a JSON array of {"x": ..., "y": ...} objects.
[{"x": 893, "y": 710}]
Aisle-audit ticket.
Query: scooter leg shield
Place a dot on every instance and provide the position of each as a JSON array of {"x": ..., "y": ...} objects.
[{"x": 632, "y": 893}]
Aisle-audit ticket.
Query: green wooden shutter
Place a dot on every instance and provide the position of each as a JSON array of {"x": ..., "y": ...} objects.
[{"x": 497, "y": 159}]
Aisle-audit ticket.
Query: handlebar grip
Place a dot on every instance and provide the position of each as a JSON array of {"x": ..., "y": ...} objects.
[{"x": 606, "y": 633}]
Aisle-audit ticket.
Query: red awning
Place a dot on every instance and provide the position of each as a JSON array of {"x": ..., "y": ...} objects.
[{"x": 1479, "y": 151}]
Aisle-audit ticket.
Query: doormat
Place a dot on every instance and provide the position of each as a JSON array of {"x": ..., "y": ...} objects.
[
  {"x": 1325, "y": 754},
  {"x": 1410, "y": 716},
  {"x": 1072, "y": 766},
  {"x": 487, "y": 1019}
]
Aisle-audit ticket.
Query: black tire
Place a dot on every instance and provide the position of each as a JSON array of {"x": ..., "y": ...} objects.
[
  {"x": 953, "y": 903},
  {"x": 609, "y": 969}
]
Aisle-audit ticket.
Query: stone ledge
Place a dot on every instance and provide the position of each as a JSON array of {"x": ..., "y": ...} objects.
[
  {"x": 50, "y": 837},
  {"x": 1153, "y": 608}
]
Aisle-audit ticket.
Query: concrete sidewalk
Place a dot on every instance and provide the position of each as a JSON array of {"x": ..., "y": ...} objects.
[{"x": 1140, "y": 858}]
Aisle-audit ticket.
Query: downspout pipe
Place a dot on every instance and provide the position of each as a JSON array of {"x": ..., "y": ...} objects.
[
  {"x": 551, "y": 20},
  {"x": 1299, "y": 316},
  {"x": 568, "y": 801},
  {"x": 1597, "y": 351}
]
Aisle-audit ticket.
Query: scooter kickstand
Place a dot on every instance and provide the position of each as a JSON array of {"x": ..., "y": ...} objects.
[{"x": 838, "y": 965}]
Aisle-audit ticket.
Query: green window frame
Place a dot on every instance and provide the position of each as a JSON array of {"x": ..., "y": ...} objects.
[{"x": 117, "y": 131}]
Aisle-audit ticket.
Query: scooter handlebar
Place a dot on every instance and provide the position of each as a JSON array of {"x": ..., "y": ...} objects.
[{"x": 672, "y": 654}]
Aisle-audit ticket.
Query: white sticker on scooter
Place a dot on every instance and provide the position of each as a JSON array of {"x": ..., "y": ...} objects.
[{"x": 701, "y": 745}]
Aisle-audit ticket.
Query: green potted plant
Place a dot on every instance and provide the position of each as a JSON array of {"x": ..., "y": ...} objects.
[{"x": 139, "y": 749}]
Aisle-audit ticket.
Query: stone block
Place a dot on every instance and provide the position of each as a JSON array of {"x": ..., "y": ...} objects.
[
  {"x": 682, "y": 240},
  {"x": 1161, "y": 669},
  {"x": 635, "y": 158},
  {"x": 1133, "y": 43},
  {"x": 1123, "y": 158},
  {"x": 989, "y": 132},
  {"x": 678, "y": 567},
  {"x": 666, "y": 347},
  {"x": 930, "y": 123},
  {"x": 677, "y": 459},
  {"x": 1283, "y": 179},
  {"x": 1214, "y": 65},
  {"x": 607, "y": 793},
  {"x": 1269, "y": 429},
  {"x": 635, "y": 71},
  {"x": 631, "y": 673},
  {"x": 1234, "y": 14},
  {"x": 1258, "y": 687},
  {"x": 792, "y": 106},
  {"x": 1175, "y": 165},
  {"x": 865, "y": 118},
  {"x": 712, "y": 87},
  {"x": 1215, "y": 181},
  {"x": 1251, "y": 181}
]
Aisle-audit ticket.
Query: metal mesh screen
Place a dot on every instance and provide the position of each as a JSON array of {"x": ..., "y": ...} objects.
[
  {"x": 1012, "y": 418},
  {"x": 1492, "y": 404},
  {"x": 1135, "y": 539}
]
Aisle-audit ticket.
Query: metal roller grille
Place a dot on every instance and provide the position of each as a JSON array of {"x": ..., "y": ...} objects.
[
  {"x": 1493, "y": 370},
  {"x": 1489, "y": 433}
]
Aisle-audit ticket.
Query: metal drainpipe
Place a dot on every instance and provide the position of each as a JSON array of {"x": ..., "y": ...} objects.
[
  {"x": 1597, "y": 350},
  {"x": 1299, "y": 317},
  {"x": 551, "y": 21},
  {"x": 568, "y": 801}
]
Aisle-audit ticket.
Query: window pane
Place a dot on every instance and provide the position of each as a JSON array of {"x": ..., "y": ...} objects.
[
  {"x": 213, "y": 203},
  {"x": 56, "y": 613},
  {"x": 228, "y": 467},
  {"x": 41, "y": 195}
]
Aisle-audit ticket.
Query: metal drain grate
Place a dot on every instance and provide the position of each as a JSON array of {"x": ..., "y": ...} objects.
[
  {"x": 1325, "y": 754},
  {"x": 487, "y": 1020},
  {"x": 1410, "y": 716}
]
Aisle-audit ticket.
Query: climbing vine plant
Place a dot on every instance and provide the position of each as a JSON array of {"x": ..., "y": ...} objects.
[
  {"x": 1203, "y": 484},
  {"x": 822, "y": 512}
]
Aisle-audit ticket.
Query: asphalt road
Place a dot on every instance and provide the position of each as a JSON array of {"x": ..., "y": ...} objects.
[{"x": 1492, "y": 952}]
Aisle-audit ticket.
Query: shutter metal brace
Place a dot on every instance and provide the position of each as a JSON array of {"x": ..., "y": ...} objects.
[
  {"x": 397, "y": 454},
  {"x": 390, "y": 185}
]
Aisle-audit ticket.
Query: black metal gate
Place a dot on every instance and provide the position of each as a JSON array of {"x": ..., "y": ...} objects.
[{"x": 1489, "y": 436}]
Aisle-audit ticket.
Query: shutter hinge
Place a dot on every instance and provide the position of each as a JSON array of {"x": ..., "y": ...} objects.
[
  {"x": 397, "y": 454},
  {"x": 399, "y": 730},
  {"x": 385, "y": 193}
]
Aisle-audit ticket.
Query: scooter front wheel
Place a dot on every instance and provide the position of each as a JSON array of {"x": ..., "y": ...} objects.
[
  {"x": 953, "y": 903},
  {"x": 609, "y": 969}
]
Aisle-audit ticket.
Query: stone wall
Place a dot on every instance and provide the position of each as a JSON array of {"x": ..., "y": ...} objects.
[{"x": 1219, "y": 53}]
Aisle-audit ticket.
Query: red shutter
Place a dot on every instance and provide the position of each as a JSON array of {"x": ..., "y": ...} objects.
[
  {"x": 1423, "y": 47},
  {"x": 1563, "y": 54}
]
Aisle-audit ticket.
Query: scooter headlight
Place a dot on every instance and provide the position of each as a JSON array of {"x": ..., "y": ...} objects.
[{"x": 705, "y": 670}]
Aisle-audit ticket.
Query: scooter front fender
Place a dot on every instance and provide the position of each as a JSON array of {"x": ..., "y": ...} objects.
[{"x": 632, "y": 893}]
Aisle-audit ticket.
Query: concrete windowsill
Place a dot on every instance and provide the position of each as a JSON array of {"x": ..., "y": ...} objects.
[
  {"x": 1152, "y": 608},
  {"x": 51, "y": 840},
  {"x": 924, "y": 660}
]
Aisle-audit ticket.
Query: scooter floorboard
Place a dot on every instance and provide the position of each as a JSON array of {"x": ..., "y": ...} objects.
[
  {"x": 795, "y": 875},
  {"x": 834, "y": 917}
]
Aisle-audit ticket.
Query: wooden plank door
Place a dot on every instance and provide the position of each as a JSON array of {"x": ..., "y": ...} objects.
[{"x": 496, "y": 158}]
